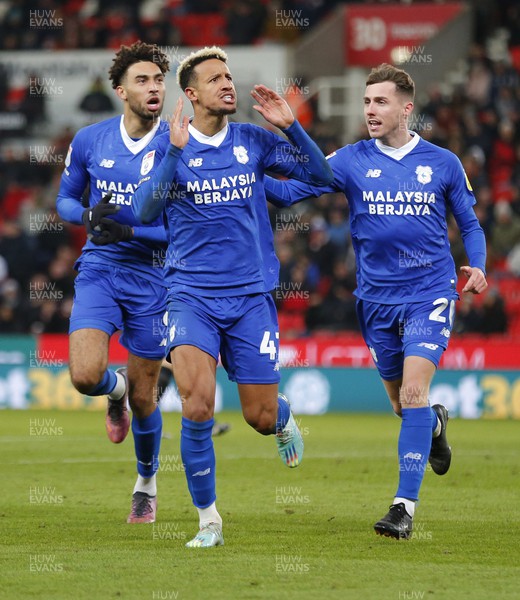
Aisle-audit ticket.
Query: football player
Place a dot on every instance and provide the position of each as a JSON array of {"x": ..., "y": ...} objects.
[
  {"x": 222, "y": 264},
  {"x": 399, "y": 189},
  {"x": 120, "y": 284}
]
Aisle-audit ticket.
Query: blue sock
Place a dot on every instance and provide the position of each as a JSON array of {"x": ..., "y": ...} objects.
[
  {"x": 414, "y": 445},
  {"x": 105, "y": 386},
  {"x": 284, "y": 412},
  {"x": 198, "y": 457},
  {"x": 147, "y": 441},
  {"x": 435, "y": 419}
]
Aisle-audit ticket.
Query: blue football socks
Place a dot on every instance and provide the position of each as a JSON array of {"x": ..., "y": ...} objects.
[
  {"x": 147, "y": 441},
  {"x": 414, "y": 445},
  {"x": 198, "y": 457},
  {"x": 435, "y": 419},
  {"x": 106, "y": 385},
  {"x": 284, "y": 413}
]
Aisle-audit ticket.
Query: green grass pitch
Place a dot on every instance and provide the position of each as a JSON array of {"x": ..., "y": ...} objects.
[{"x": 302, "y": 533}]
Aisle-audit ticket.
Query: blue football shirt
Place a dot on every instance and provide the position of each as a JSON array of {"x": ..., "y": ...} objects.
[
  {"x": 398, "y": 210},
  {"x": 219, "y": 233},
  {"x": 105, "y": 159}
]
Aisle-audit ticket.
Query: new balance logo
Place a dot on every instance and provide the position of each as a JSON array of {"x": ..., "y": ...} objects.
[
  {"x": 413, "y": 456},
  {"x": 202, "y": 473},
  {"x": 373, "y": 173},
  {"x": 195, "y": 162},
  {"x": 429, "y": 346},
  {"x": 107, "y": 163},
  {"x": 373, "y": 353}
]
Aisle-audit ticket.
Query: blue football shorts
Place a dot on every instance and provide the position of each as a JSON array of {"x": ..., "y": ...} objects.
[
  {"x": 242, "y": 329},
  {"x": 394, "y": 331},
  {"x": 109, "y": 299}
]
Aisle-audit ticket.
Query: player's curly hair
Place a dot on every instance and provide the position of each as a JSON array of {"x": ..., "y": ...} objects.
[
  {"x": 137, "y": 52},
  {"x": 385, "y": 72},
  {"x": 185, "y": 71}
]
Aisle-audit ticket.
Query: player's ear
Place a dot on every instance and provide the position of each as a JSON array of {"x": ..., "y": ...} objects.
[
  {"x": 191, "y": 94},
  {"x": 121, "y": 92},
  {"x": 407, "y": 109}
]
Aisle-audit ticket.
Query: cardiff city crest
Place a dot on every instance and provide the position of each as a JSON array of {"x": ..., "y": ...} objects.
[
  {"x": 241, "y": 154},
  {"x": 424, "y": 174}
]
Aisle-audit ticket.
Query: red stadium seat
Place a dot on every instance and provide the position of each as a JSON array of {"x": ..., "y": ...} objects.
[{"x": 209, "y": 27}]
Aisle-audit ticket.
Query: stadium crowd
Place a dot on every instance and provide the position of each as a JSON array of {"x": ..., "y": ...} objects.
[
  {"x": 108, "y": 24},
  {"x": 479, "y": 121}
]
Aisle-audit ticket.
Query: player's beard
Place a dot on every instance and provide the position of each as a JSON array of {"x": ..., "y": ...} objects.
[
  {"x": 222, "y": 112},
  {"x": 143, "y": 112}
]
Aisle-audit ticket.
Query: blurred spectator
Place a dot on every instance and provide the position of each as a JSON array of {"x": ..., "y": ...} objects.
[
  {"x": 502, "y": 161},
  {"x": 484, "y": 208},
  {"x": 33, "y": 101},
  {"x": 493, "y": 316},
  {"x": 505, "y": 233},
  {"x": 337, "y": 310},
  {"x": 478, "y": 86},
  {"x": 488, "y": 318},
  {"x": 321, "y": 250},
  {"x": 513, "y": 261},
  {"x": 473, "y": 162},
  {"x": 467, "y": 317},
  {"x": 292, "y": 295},
  {"x": 96, "y": 100},
  {"x": 61, "y": 270},
  {"x": 11, "y": 315},
  {"x": 59, "y": 320},
  {"x": 245, "y": 21},
  {"x": 18, "y": 251}
]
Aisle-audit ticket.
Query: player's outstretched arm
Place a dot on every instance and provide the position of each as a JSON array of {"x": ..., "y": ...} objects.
[
  {"x": 113, "y": 232},
  {"x": 303, "y": 160},
  {"x": 151, "y": 197},
  {"x": 286, "y": 193}
]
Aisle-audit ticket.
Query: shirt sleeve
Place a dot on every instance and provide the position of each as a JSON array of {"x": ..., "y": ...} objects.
[
  {"x": 73, "y": 181},
  {"x": 301, "y": 159},
  {"x": 286, "y": 193},
  {"x": 150, "y": 233},
  {"x": 461, "y": 201},
  {"x": 473, "y": 238}
]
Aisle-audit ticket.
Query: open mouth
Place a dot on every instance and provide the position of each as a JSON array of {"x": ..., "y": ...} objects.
[
  {"x": 228, "y": 98},
  {"x": 153, "y": 103},
  {"x": 373, "y": 124}
]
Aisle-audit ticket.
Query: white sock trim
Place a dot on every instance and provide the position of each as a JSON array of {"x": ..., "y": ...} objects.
[
  {"x": 209, "y": 515},
  {"x": 438, "y": 429},
  {"x": 408, "y": 504},
  {"x": 147, "y": 485},
  {"x": 119, "y": 389}
]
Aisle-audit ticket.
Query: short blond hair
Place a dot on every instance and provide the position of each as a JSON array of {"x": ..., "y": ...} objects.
[{"x": 185, "y": 71}]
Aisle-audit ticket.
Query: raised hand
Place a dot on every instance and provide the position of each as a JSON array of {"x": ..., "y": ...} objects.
[
  {"x": 179, "y": 135},
  {"x": 272, "y": 107}
]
